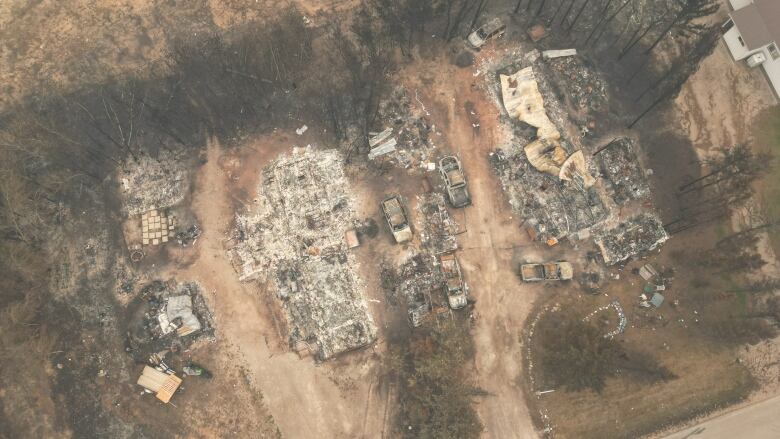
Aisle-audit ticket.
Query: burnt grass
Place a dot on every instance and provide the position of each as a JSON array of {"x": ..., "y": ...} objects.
[
  {"x": 220, "y": 85},
  {"x": 81, "y": 136}
]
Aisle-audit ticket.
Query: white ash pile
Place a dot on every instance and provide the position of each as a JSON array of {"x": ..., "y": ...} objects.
[
  {"x": 635, "y": 236},
  {"x": 149, "y": 183},
  {"x": 294, "y": 235},
  {"x": 625, "y": 177},
  {"x": 438, "y": 229}
]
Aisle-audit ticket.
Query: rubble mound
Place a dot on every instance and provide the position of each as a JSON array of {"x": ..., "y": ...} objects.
[
  {"x": 584, "y": 87},
  {"x": 639, "y": 234},
  {"x": 418, "y": 281},
  {"x": 555, "y": 208},
  {"x": 619, "y": 164},
  {"x": 294, "y": 235},
  {"x": 438, "y": 228},
  {"x": 168, "y": 315},
  {"x": 152, "y": 183}
]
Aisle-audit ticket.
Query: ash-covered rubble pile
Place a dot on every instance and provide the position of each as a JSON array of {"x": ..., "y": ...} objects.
[
  {"x": 546, "y": 175},
  {"x": 294, "y": 236},
  {"x": 585, "y": 89},
  {"x": 438, "y": 228},
  {"x": 169, "y": 315},
  {"x": 546, "y": 178},
  {"x": 620, "y": 167},
  {"x": 410, "y": 130},
  {"x": 418, "y": 282},
  {"x": 634, "y": 236},
  {"x": 152, "y": 182}
]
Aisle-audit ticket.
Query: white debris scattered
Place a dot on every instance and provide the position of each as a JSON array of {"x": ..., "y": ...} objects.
[{"x": 551, "y": 54}]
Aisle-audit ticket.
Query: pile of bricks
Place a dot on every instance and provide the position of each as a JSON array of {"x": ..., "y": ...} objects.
[{"x": 156, "y": 228}]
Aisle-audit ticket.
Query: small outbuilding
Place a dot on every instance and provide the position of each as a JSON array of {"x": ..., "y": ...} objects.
[
  {"x": 161, "y": 383},
  {"x": 657, "y": 300}
]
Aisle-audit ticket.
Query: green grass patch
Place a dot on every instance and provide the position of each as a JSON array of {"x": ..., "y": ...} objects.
[{"x": 767, "y": 132}]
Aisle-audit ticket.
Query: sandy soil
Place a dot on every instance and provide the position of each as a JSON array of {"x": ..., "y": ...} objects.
[{"x": 719, "y": 103}]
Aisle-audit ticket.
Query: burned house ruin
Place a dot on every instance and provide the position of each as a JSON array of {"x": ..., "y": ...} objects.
[
  {"x": 294, "y": 237},
  {"x": 623, "y": 174},
  {"x": 639, "y": 234}
]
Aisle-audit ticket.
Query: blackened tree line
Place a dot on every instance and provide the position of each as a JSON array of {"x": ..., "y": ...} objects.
[
  {"x": 636, "y": 32},
  {"x": 436, "y": 393},
  {"x": 727, "y": 180}
]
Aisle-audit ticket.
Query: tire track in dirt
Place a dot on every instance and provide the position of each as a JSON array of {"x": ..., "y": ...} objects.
[{"x": 491, "y": 244}]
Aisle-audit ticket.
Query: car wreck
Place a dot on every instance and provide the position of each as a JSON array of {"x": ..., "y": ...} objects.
[
  {"x": 396, "y": 218},
  {"x": 561, "y": 270},
  {"x": 455, "y": 181},
  {"x": 454, "y": 286}
]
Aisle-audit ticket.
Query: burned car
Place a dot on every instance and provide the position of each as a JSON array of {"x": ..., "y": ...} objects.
[
  {"x": 455, "y": 180},
  {"x": 396, "y": 217},
  {"x": 548, "y": 271},
  {"x": 491, "y": 29},
  {"x": 454, "y": 286}
]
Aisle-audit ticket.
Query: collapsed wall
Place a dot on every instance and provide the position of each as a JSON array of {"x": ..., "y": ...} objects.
[
  {"x": 294, "y": 236},
  {"x": 547, "y": 181}
]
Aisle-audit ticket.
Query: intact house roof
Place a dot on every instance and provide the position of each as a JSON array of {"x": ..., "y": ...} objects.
[{"x": 758, "y": 23}]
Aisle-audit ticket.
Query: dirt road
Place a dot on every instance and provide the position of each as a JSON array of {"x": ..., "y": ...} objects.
[
  {"x": 305, "y": 399},
  {"x": 758, "y": 421},
  {"x": 492, "y": 245}
]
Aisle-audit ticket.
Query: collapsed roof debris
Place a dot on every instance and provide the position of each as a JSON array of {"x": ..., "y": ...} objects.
[
  {"x": 637, "y": 235},
  {"x": 438, "y": 228},
  {"x": 294, "y": 235},
  {"x": 178, "y": 307},
  {"x": 553, "y": 208},
  {"x": 152, "y": 183},
  {"x": 551, "y": 188},
  {"x": 523, "y": 100},
  {"x": 381, "y": 144},
  {"x": 164, "y": 385},
  {"x": 552, "y": 54},
  {"x": 169, "y": 314},
  {"x": 625, "y": 177}
]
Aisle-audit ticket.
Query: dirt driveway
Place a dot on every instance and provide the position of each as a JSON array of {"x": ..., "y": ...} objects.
[
  {"x": 491, "y": 248},
  {"x": 332, "y": 399}
]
